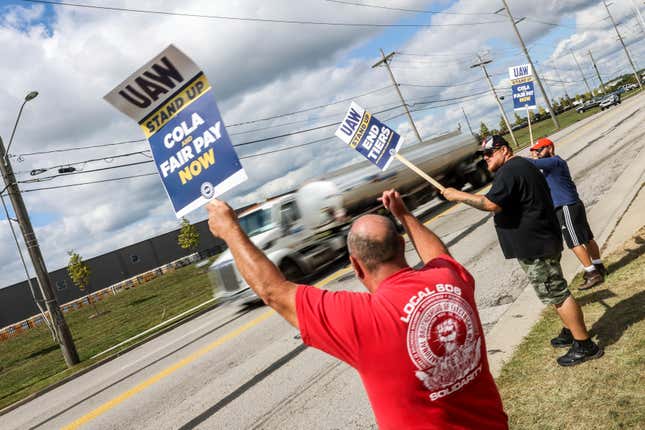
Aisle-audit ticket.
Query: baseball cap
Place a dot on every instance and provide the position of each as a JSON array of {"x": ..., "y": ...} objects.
[
  {"x": 541, "y": 143},
  {"x": 493, "y": 142}
]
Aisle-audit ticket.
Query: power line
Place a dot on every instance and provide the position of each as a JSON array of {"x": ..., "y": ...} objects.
[
  {"x": 77, "y": 148},
  {"x": 79, "y": 172},
  {"x": 262, "y": 20},
  {"x": 407, "y": 10},
  {"x": 88, "y": 183},
  {"x": 282, "y": 115},
  {"x": 309, "y": 108}
]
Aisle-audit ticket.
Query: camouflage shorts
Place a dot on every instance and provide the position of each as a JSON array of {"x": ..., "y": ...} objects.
[{"x": 545, "y": 274}]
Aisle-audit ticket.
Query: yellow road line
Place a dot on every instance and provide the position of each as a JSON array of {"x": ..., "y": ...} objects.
[{"x": 184, "y": 362}]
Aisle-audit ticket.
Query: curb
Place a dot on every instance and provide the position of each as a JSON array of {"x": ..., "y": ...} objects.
[
  {"x": 520, "y": 317},
  {"x": 109, "y": 358}
]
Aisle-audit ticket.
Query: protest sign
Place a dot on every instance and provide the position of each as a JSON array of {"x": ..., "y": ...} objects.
[
  {"x": 173, "y": 102},
  {"x": 370, "y": 137},
  {"x": 375, "y": 141},
  {"x": 520, "y": 74},
  {"x": 524, "y": 96}
]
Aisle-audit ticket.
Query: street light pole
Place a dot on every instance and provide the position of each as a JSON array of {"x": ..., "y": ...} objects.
[
  {"x": 63, "y": 335},
  {"x": 629, "y": 57},
  {"x": 528, "y": 57},
  {"x": 482, "y": 63},
  {"x": 385, "y": 60}
]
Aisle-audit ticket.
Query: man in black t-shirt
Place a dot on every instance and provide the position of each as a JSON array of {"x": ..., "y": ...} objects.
[{"x": 528, "y": 230}]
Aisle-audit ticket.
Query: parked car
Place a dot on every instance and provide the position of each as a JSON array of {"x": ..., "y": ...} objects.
[
  {"x": 610, "y": 100},
  {"x": 589, "y": 105}
]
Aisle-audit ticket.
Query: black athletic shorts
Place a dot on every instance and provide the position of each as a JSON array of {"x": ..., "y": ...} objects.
[{"x": 574, "y": 224}]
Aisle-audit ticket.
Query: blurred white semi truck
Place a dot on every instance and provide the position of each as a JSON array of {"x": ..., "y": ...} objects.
[{"x": 306, "y": 231}]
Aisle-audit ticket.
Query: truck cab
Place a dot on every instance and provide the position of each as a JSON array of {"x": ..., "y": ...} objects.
[{"x": 301, "y": 233}]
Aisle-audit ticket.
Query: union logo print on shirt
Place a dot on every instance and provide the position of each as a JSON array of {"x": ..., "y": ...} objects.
[{"x": 444, "y": 341}]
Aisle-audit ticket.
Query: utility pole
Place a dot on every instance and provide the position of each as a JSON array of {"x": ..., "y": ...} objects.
[
  {"x": 528, "y": 57},
  {"x": 385, "y": 60},
  {"x": 467, "y": 121},
  {"x": 482, "y": 63},
  {"x": 581, "y": 74},
  {"x": 564, "y": 84},
  {"x": 63, "y": 335},
  {"x": 602, "y": 84},
  {"x": 629, "y": 57},
  {"x": 639, "y": 17}
]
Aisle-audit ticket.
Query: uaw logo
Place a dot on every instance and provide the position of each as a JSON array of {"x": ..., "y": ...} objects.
[
  {"x": 444, "y": 342},
  {"x": 207, "y": 190}
]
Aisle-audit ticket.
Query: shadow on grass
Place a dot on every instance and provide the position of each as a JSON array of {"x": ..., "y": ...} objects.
[
  {"x": 43, "y": 351},
  {"x": 142, "y": 300},
  {"x": 618, "y": 318},
  {"x": 631, "y": 255}
]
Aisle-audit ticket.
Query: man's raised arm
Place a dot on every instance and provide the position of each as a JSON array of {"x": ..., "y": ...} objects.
[
  {"x": 427, "y": 244},
  {"x": 257, "y": 270}
]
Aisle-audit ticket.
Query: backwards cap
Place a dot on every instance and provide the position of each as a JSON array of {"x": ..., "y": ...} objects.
[
  {"x": 541, "y": 143},
  {"x": 493, "y": 142}
]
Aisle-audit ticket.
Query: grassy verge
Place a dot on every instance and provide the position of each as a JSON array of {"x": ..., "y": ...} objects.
[
  {"x": 601, "y": 394},
  {"x": 545, "y": 127},
  {"x": 32, "y": 361}
]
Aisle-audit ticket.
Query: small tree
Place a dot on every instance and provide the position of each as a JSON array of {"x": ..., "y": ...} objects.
[
  {"x": 542, "y": 111},
  {"x": 80, "y": 273},
  {"x": 483, "y": 130},
  {"x": 188, "y": 236},
  {"x": 502, "y": 125},
  {"x": 518, "y": 119}
]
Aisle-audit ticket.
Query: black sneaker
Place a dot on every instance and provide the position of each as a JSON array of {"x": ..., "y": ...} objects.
[
  {"x": 592, "y": 279},
  {"x": 579, "y": 354},
  {"x": 564, "y": 339},
  {"x": 601, "y": 268}
]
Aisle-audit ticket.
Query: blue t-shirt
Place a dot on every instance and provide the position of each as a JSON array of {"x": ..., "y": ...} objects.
[{"x": 556, "y": 172}]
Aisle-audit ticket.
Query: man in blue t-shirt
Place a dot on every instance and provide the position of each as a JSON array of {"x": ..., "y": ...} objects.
[
  {"x": 528, "y": 230},
  {"x": 570, "y": 211}
]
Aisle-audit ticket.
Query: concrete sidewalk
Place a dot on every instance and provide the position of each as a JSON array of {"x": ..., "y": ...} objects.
[{"x": 612, "y": 228}]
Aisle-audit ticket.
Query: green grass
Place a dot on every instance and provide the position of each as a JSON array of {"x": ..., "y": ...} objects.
[
  {"x": 601, "y": 394},
  {"x": 32, "y": 360}
]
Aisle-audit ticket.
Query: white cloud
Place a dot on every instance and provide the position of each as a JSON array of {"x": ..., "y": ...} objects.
[{"x": 258, "y": 70}]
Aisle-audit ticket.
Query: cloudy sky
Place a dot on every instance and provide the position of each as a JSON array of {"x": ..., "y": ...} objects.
[{"x": 270, "y": 79}]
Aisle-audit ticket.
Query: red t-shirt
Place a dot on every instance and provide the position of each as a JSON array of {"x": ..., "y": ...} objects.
[{"x": 417, "y": 344}]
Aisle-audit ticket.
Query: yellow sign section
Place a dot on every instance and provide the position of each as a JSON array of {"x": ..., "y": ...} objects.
[
  {"x": 361, "y": 129},
  {"x": 521, "y": 80},
  {"x": 173, "y": 106}
]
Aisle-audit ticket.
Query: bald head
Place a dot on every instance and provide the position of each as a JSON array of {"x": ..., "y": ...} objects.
[{"x": 373, "y": 240}]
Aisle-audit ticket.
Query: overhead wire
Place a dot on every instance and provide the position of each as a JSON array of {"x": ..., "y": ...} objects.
[
  {"x": 399, "y": 9},
  {"x": 260, "y": 20}
]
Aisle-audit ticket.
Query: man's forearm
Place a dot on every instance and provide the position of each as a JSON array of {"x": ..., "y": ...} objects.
[
  {"x": 427, "y": 244},
  {"x": 477, "y": 201}
]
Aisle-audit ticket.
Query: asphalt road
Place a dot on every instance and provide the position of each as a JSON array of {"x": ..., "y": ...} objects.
[{"x": 241, "y": 367}]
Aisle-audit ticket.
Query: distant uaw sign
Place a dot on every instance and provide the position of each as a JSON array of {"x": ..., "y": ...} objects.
[
  {"x": 524, "y": 96},
  {"x": 374, "y": 140},
  {"x": 520, "y": 74},
  {"x": 522, "y": 85},
  {"x": 173, "y": 102}
]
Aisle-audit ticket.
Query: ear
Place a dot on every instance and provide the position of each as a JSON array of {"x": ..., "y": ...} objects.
[{"x": 358, "y": 267}]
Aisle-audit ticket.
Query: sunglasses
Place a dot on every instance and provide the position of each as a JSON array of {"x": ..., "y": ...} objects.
[{"x": 489, "y": 152}]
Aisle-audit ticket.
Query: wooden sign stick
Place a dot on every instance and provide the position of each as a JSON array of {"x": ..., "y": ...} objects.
[{"x": 420, "y": 172}]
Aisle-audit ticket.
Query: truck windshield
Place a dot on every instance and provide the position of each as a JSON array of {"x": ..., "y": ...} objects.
[{"x": 256, "y": 222}]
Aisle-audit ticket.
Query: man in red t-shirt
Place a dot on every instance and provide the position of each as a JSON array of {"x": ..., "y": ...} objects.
[{"x": 415, "y": 339}]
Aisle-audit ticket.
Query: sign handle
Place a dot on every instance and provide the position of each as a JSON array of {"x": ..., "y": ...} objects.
[
  {"x": 420, "y": 172},
  {"x": 528, "y": 118}
]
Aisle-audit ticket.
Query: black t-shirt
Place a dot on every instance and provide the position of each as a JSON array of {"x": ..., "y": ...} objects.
[{"x": 526, "y": 226}]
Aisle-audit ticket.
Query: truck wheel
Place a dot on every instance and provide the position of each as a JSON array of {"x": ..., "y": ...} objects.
[
  {"x": 291, "y": 271},
  {"x": 479, "y": 177}
]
